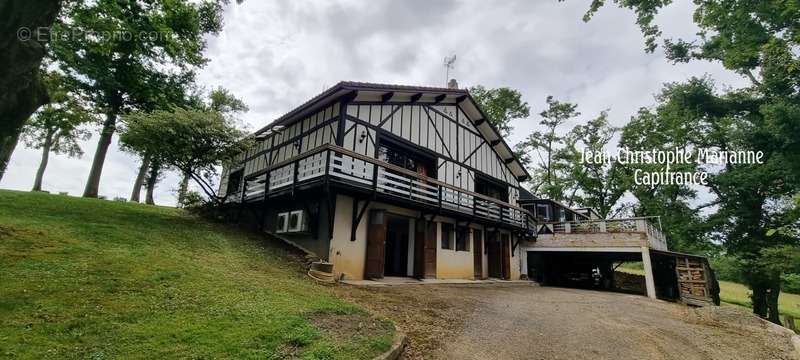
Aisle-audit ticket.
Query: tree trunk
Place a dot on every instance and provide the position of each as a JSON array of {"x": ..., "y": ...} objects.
[
  {"x": 6, "y": 149},
  {"x": 183, "y": 188},
  {"x": 93, "y": 183},
  {"x": 151, "y": 183},
  {"x": 759, "y": 299},
  {"x": 137, "y": 184},
  {"x": 48, "y": 142},
  {"x": 772, "y": 301},
  {"x": 21, "y": 88}
]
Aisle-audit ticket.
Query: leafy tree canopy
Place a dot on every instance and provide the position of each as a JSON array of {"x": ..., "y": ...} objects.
[
  {"x": 501, "y": 105},
  {"x": 58, "y": 125}
]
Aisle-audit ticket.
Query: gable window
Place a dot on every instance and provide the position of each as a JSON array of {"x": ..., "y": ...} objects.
[
  {"x": 462, "y": 239},
  {"x": 448, "y": 236}
]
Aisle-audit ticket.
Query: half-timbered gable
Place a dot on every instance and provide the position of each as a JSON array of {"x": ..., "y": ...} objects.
[{"x": 441, "y": 129}]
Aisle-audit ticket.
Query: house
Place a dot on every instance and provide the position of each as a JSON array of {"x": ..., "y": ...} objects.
[
  {"x": 389, "y": 180},
  {"x": 408, "y": 181}
]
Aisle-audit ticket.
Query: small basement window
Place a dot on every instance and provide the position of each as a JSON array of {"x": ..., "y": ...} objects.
[
  {"x": 462, "y": 239},
  {"x": 448, "y": 236}
]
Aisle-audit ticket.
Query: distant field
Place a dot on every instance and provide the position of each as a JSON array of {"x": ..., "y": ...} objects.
[
  {"x": 87, "y": 278},
  {"x": 735, "y": 293}
]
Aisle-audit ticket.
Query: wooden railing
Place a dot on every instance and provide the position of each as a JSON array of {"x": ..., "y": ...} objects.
[
  {"x": 366, "y": 172},
  {"x": 650, "y": 225}
]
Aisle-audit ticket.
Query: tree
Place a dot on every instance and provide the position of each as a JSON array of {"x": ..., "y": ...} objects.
[
  {"x": 129, "y": 55},
  {"x": 685, "y": 230},
  {"x": 22, "y": 49},
  {"x": 501, "y": 105},
  {"x": 140, "y": 177},
  {"x": 757, "y": 40},
  {"x": 598, "y": 185},
  {"x": 58, "y": 126},
  {"x": 194, "y": 141},
  {"x": 546, "y": 144}
]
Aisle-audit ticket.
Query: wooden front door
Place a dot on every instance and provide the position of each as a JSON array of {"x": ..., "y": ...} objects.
[
  {"x": 425, "y": 249},
  {"x": 493, "y": 252},
  {"x": 376, "y": 244},
  {"x": 477, "y": 250},
  {"x": 505, "y": 256}
]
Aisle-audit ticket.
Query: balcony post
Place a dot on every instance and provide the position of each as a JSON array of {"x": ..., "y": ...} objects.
[
  {"x": 602, "y": 227},
  {"x": 567, "y": 227}
]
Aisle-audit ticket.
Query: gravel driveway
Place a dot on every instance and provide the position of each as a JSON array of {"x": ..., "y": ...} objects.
[{"x": 531, "y": 322}]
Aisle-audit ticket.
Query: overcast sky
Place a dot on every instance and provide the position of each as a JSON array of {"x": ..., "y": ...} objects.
[{"x": 277, "y": 54}]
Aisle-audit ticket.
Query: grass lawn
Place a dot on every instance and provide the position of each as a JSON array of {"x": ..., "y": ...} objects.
[
  {"x": 735, "y": 293},
  {"x": 86, "y": 278}
]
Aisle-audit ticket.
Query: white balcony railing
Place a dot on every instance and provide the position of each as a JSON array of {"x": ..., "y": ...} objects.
[
  {"x": 651, "y": 226},
  {"x": 366, "y": 172}
]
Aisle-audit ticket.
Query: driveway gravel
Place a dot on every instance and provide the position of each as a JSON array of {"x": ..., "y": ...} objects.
[{"x": 520, "y": 321}]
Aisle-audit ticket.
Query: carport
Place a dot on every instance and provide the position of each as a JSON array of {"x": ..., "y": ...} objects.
[
  {"x": 573, "y": 267},
  {"x": 567, "y": 251}
]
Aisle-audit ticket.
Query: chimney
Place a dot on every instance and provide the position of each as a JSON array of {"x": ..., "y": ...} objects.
[{"x": 452, "y": 84}]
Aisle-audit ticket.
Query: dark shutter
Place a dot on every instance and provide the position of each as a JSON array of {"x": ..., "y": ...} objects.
[{"x": 376, "y": 244}]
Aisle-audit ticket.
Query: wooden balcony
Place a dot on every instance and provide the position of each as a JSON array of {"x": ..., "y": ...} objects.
[
  {"x": 586, "y": 235},
  {"x": 334, "y": 164}
]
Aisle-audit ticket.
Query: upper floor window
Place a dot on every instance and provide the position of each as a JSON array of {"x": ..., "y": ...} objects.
[
  {"x": 235, "y": 181},
  {"x": 406, "y": 158},
  {"x": 490, "y": 188}
]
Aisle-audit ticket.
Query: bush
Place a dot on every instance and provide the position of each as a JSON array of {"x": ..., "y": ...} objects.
[
  {"x": 727, "y": 268},
  {"x": 791, "y": 283},
  {"x": 192, "y": 200}
]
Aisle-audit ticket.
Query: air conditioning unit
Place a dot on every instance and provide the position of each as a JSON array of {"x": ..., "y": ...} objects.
[
  {"x": 282, "y": 223},
  {"x": 298, "y": 221}
]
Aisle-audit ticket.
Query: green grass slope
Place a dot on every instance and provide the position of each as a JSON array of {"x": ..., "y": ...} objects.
[{"x": 85, "y": 278}]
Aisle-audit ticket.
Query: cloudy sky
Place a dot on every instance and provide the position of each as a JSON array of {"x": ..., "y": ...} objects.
[{"x": 277, "y": 54}]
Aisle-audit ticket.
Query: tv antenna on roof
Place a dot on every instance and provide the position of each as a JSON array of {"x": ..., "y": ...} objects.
[{"x": 449, "y": 63}]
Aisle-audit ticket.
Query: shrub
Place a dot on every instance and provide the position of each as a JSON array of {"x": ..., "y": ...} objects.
[
  {"x": 727, "y": 268},
  {"x": 791, "y": 283},
  {"x": 192, "y": 199}
]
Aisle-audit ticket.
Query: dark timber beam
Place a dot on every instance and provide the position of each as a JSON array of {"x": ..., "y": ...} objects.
[
  {"x": 514, "y": 247},
  {"x": 460, "y": 99},
  {"x": 509, "y": 160},
  {"x": 357, "y": 218},
  {"x": 387, "y": 96},
  {"x": 439, "y": 98},
  {"x": 496, "y": 142},
  {"x": 479, "y": 122},
  {"x": 416, "y": 97},
  {"x": 522, "y": 177},
  {"x": 350, "y": 96}
]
